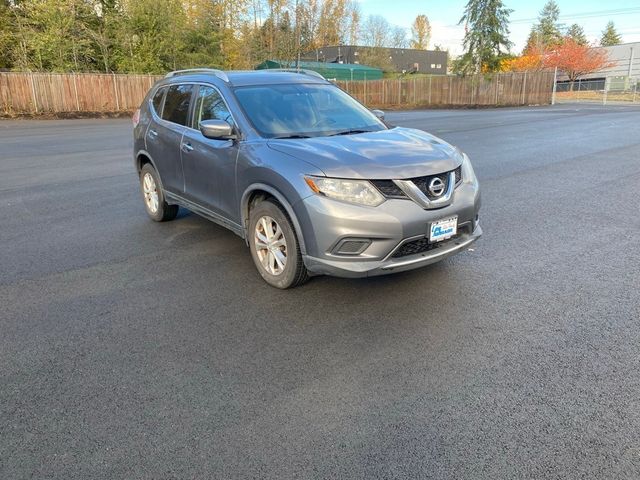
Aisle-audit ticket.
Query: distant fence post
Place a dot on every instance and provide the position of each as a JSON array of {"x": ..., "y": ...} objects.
[
  {"x": 430, "y": 79},
  {"x": 75, "y": 89},
  {"x": 366, "y": 100},
  {"x": 555, "y": 83},
  {"x": 524, "y": 88},
  {"x": 33, "y": 92},
  {"x": 115, "y": 90}
]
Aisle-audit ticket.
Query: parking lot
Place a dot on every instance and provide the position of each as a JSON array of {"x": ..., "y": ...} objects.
[{"x": 132, "y": 349}]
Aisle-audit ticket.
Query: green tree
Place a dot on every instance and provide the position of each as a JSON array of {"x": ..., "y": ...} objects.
[
  {"x": 53, "y": 35},
  {"x": 576, "y": 33},
  {"x": 102, "y": 28},
  {"x": 200, "y": 40},
  {"x": 486, "y": 40},
  {"x": 151, "y": 36},
  {"x": 8, "y": 35},
  {"x": 534, "y": 43},
  {"x": 610, "y": 36},
  {"x": 548, "y": 28}
]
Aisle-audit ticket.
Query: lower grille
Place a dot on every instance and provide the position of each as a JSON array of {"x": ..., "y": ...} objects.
[
  {"x": 421, "y": 245},
  {"x": 416, "y": 246}
]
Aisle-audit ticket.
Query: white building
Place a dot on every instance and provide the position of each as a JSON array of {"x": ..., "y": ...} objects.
[{"x": 623, "y": 74}]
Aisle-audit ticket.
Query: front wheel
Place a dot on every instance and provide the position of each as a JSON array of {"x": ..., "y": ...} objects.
[
  {"x": 274, "y": 246},
  {"x": 154, "y": 202}
]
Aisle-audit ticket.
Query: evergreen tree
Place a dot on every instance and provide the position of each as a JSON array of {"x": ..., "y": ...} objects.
[
  {"x": 534, "y": 43},
  {"x": 576, "y": 33},
  {"x": 549, "y": 30},
  {"x": 610, "y": 36},
  {"x": 486, "y": 40}
]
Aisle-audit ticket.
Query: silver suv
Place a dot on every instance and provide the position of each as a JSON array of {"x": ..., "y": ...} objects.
[{"x": 314, "y": 182}]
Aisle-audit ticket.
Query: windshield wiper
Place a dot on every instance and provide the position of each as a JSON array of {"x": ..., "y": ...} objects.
[
  {"x": 293, "y": 135},
  {"x": 350, "y": 131}
]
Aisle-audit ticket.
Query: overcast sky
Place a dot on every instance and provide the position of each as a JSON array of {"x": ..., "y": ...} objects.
[{"x": 593, "y": 15}]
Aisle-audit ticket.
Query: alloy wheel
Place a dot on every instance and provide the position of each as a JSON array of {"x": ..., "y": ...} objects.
[
  {"x": 150, "y": 192},
  {"x": 271, "y": 245}
]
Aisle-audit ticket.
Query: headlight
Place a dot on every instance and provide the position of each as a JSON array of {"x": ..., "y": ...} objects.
[
  {"x": 468, "y": 175},
  {"x": 353, "y": 191}
]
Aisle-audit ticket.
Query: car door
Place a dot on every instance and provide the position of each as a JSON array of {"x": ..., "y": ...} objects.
[
  {"x": 165, "y": 133},
  {"x": 209, "y": 164}
]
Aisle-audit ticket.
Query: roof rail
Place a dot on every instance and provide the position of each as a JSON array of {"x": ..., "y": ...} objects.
[
  {"x": 218, "y": 73},
  {"x": 304, "y": 71}
]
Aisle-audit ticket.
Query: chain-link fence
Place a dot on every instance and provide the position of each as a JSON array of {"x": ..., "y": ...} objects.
[{"x": 603, "y": 90}]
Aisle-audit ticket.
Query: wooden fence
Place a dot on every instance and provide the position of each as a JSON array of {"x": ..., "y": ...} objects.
[
  {"x": 69, "y": 92},
  {"x": 86, "y": 92},
  {"x": 504, "y": 89}
]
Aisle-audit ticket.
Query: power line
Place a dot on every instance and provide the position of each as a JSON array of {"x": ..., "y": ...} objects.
[{"x": 578, "y": 15}]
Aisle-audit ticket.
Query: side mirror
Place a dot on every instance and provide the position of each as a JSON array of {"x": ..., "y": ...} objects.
[
  {"x": 216, "y": 129},
  {"x": 378, "y": 113}
]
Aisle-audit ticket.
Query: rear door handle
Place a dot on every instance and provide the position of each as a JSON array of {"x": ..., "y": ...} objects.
[
  {"x": 153, "y": 133},
  {"x": 187, "y": 147}
]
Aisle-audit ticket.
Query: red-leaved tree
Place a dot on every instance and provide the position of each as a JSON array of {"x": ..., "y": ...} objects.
[
  {"x": 575, "y": 60},
  {"x": 570, "y": 57}
]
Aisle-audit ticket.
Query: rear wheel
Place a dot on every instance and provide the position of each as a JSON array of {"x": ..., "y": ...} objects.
[
  {"x": 274, "y": 246},
  {"x": 154, "y": 202}
]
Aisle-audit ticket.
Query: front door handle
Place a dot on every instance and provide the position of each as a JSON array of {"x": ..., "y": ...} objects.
[{"x": 187, "y": 147}]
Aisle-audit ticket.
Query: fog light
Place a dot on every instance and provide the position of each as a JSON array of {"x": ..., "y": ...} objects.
[{"x": 351, "y": 246}]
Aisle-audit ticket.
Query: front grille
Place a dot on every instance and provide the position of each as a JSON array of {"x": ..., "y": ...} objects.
[
  {"x": 458, "y": 173},
  {"x": 390, "y": 190},
  {"x": 423, "y": 184}
]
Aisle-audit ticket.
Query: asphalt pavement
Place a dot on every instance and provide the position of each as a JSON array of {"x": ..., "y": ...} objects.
[{"x": 131, "y": 349}]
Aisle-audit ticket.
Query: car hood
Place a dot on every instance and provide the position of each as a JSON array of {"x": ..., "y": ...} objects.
[{"x": 387, "y": 154}]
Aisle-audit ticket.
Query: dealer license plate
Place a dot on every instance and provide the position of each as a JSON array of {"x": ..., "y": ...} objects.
[{"x": 443, "y": 229}]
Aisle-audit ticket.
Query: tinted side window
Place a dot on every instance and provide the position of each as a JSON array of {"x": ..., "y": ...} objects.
[
  {"x": 157, "y": 100},
  {"x": 176, "y": 104},
  {"x": 210, "y": 106}
]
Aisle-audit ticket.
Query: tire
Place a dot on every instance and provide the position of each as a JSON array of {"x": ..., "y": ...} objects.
[
  {"x": 279, "y": 261},
  {"x": 153, "y": 196}
]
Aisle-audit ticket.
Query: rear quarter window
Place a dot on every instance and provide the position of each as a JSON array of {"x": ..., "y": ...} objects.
[
  {"x": 157, "y": 101},
  {"x": 176, "y": 104}
]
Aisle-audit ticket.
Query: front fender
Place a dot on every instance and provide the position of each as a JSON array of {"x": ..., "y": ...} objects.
[{"x": 262, "y": 187}]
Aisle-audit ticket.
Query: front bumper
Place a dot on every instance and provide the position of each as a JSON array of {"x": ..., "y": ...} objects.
[{"x": 326, "y": 223}]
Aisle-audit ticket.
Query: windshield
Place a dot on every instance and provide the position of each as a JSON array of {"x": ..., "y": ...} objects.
[{"x": 304, "y": 110}]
